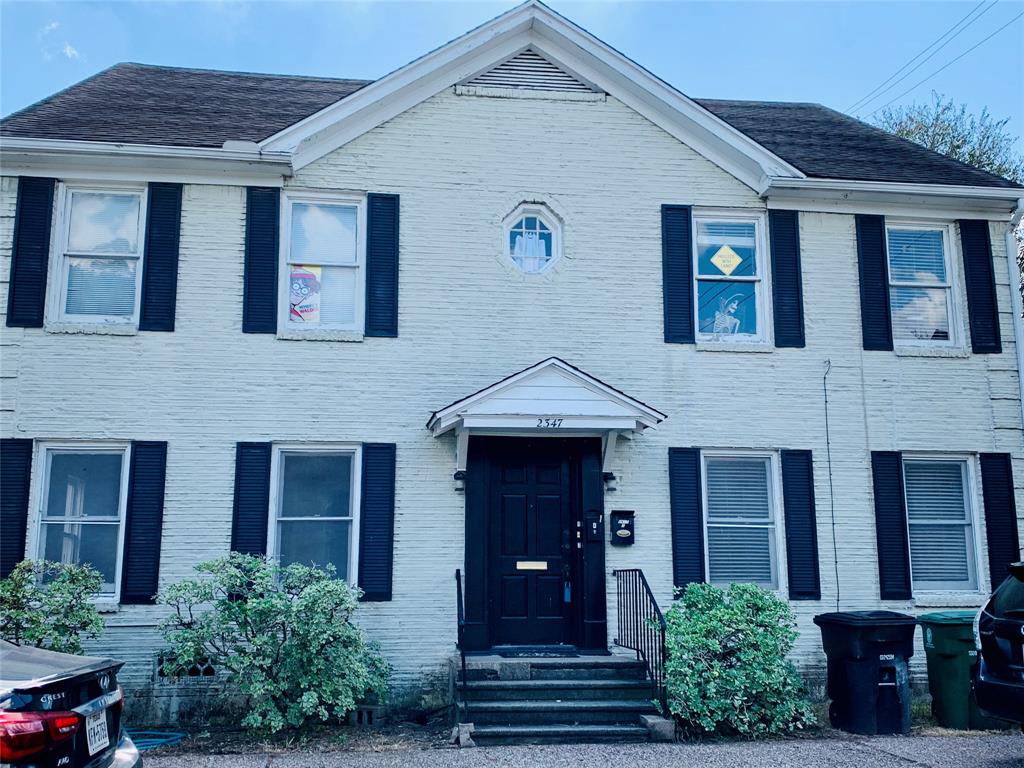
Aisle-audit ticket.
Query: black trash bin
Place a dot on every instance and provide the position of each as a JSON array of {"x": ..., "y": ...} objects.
[{"x": 868, "y": 680}]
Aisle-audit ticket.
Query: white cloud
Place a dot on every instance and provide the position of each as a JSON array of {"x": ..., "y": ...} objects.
[
  {"x": 69, "y": 51},
  {"x": 49, "y": 28},
  {"x": 104, "y": 223}
]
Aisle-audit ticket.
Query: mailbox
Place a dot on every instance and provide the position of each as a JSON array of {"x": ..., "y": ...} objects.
[{"x": 623, "y": 528}]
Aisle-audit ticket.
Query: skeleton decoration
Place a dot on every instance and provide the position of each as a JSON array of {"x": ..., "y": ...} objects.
[{"x": 725, "y": 320}]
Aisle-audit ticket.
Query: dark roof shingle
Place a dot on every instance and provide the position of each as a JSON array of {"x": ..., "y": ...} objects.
[{"x": 828, "y": 144}]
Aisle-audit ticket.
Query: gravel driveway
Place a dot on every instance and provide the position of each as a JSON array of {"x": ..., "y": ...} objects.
[{"x": 969, "y": 751}]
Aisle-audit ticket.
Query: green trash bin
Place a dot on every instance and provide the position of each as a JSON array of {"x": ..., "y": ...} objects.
[{"x": 951, "y": 653}]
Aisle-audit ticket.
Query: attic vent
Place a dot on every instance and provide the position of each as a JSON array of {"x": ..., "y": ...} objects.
[{"x": 529, "y": 70}]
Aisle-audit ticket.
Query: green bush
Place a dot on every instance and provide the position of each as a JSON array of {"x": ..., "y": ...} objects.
[
  {"x": 727, "y": 673},
  {"x": 283, "y": 635},
  {"x": 48, "y": 605}
]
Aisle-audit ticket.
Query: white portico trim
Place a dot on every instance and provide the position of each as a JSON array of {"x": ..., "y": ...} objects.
[{"x": 549, "y": 398}]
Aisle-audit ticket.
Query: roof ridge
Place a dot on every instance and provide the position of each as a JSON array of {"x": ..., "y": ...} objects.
[
  {"x": 239, "y": 72},
  {"x": 760, "y": 102}
]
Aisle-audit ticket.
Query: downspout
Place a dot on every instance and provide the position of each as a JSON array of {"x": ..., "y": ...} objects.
[{"x": 1015, "y": 297}]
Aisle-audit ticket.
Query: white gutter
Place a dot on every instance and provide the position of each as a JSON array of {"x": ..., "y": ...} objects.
[{"x": 1015, "y": 298}]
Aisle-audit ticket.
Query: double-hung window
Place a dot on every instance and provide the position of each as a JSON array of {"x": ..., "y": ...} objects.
[
  {"x": 940, "y": 522},
  {"x": 99, "y": 254},
  {"x": 317, "y": 495},
  {"x": 323, "y": 274},
  {"x": 731, "y": 269},
  {"x": 82, "y": 504},
  {"x": 742, "y": 537},
  {"x": 920, "y": 285}
]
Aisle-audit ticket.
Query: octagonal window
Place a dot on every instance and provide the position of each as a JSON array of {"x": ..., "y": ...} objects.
[{"x": 532, "y": 239}]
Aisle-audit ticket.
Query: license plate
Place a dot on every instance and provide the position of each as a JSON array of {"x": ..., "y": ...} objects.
[{"x": 96, "y": 732}]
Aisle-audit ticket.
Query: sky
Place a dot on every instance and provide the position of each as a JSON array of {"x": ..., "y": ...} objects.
[{"x": 833, "y": 53}]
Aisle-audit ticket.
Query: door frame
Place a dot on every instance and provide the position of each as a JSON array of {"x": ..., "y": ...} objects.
[{"x": 588, "y": 622}]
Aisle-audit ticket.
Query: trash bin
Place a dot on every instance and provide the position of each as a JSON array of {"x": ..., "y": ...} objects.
[
  {"x": 868, "y": 681},
  {"x": 949, "y": 647}
]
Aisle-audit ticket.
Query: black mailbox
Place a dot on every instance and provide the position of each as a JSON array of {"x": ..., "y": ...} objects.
[{"x": 623, "y": 528}]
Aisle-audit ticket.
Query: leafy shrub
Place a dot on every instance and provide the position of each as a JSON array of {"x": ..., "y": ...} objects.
[
  {"x": 47, "y": 605},
  {"x": 284, "y": 635},
  {"x": 727, "y": 672}
]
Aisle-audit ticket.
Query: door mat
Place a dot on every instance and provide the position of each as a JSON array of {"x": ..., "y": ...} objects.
[{"x": 526, "y": 654}]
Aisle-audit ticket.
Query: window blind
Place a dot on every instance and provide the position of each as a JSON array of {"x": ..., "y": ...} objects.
[
  {"x": 741, "y": 533},
  {"x": 941, "y": 543}
]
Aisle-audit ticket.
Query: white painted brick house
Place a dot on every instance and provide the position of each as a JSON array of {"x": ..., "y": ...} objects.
[{"x": 457, "y": 317}]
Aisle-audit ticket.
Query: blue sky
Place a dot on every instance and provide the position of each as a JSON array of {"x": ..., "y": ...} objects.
[{"x": 828, "y": 52}]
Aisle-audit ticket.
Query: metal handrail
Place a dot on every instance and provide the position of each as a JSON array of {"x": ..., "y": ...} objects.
[
  {"x": 641, "y": 627},
  {"x": 461, "y": 614}
]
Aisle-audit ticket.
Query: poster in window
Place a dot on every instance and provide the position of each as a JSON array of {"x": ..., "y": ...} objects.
[{"x": 304, "y": 294}]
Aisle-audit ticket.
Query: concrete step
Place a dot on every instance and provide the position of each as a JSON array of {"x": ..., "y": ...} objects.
[
  {"x": 558, "y": 733},
  {"x": 493, "y": 667},
  {"x": 541, "y": 712},
  {"x": 558, "y": 690}
]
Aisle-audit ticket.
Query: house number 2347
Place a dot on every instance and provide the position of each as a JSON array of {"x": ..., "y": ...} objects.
[{"x": 549, "y": 423}]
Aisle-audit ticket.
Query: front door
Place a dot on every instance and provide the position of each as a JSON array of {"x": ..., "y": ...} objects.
[{"x": 533, "y": 508}]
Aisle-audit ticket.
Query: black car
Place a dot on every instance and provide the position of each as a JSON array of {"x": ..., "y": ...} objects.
[
  {"x": 61, "y": 711},
  {"x": 999, "y": 633}
]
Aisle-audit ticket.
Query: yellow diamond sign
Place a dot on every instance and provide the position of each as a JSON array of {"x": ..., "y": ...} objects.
[{"x": 726, "y": 259}]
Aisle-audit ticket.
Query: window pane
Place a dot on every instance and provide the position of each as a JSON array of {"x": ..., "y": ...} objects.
[
  {"x": 725, "y": 307},
  {"x": 530, "y": 244},
  {"x": 916, "y": 255},
  {"x": 315, "y": 542},
  {"x": 101, "y": 287},
  {"x": 322, "y": 295},
  {"x": 323, "y": 234},
  {"x": 726, "y": 248},
  {"x": 94, "y": 544},
  {"x": 84, "y": 485},
  {"x": 919, "y": 314},
  {"x": 104, "y": 223},
  {"x": 738, "y": 489},
  {"x": 741, "y": 554},
  {"x": 935, "y": 490},
  {"x": 940, "y": 553},
  {"x": 316, "y": 485}
]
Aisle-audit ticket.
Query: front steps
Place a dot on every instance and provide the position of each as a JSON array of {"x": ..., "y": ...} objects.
[{"x": 556, "y": 700}]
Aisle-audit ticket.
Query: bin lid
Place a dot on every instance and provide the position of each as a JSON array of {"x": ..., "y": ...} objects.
[
  {"x": 948, "y": 617},
  {"x": 865, "y": 619}
]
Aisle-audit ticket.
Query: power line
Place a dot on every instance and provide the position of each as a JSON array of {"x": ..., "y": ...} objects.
[
  {"x": 946, "y": 66},
  {"x": 941, "y": 41}
]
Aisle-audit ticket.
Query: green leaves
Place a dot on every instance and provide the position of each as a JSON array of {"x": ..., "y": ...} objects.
[
  {"x": 727, "y": 672},
  {"x": 283, "y": 635},
  {"x": 48, "y": 605}
]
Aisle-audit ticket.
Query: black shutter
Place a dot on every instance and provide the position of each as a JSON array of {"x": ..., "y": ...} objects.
[
  {"x": 982, "y": 305},
  {"x": 891, "y": 525},
  {"x": 787, "y": 285},
  {"x": 140, "y": 569},
  {"x": 686, "y": 511},
  {"x": 262, "y": 240},
  {"x": 160, "y": 262},
  {"x": 677, "y": 273},
  {"x": 381, "y": 265},
  {"x": 377, "y": 521},
  {"x": 801, "y": 525},
  {"x": 15, "y": 475},
  {"x": 872, "y": 259},
  {"x": 30, "y": 252},
  {"x": 1000, "y": 514},
  {"x": 252, "y": 499}
]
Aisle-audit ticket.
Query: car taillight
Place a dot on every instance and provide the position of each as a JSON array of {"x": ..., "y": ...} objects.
[
  {"x": 25, "y": 733},
  {"x": 119, "y": 704}
]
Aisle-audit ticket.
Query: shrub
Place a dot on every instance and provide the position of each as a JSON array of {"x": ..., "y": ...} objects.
[
  {"x": 48, "y": 605},
  {"x": 284, "y": 636},
  {"x": 727, "y": 673}
]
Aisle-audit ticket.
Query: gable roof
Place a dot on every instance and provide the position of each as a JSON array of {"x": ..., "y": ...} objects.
[
  {"x": 173, "y": 106},
  {"x": 825, "y": 143}
]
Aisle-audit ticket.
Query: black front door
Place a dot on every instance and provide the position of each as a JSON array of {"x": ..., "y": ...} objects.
[{"x": 533, "y": 508}]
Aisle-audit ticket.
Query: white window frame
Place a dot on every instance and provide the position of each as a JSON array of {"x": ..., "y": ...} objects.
[
  {"x": 37, "y": 542},
  {"x": 288, "y": 200},
  {"x": 972, "y": 486},
  {"x": 551, "y": 221},
  {"x": 762, "y": 280},
  {"x": 952, "y": 287},
  {"x": 779, "y": 566},
  {"x": 60, "y": 256},
  {"x": 355, "y": 450}
]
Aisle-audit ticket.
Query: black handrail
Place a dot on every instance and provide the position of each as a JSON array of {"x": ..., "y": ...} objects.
[
  {"x": 461, "y": 613},
  {"x": 641, "y": 627}
]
